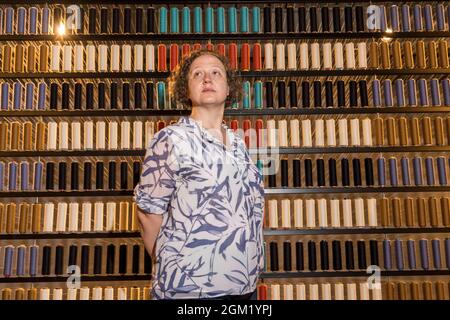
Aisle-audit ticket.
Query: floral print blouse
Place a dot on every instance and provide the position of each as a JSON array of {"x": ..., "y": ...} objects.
[{"x": 212, "y": 200}]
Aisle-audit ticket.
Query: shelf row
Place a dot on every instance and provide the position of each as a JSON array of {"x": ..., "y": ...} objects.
[
  {"x": 267, "y": 56},
  {"x": 236, "y": 113},
  {"x": 340, "y": 255},
  {"x": 76, "y": 259},
  {"x": 359, "y": 212},
  {"x": 323, "y": 291},
  {"x": 348, "y": 290},
  {"x": 83, "y": 217},
  {"x": 219, "y": 37},
  {"x": 257, "y": 95},
  {"x": 268, "y": 191},
  {"x": 336, "y": 255},
  {"x": 288, "y": 172},
  {"x": 385, "y": 290},
  {"x": 105, "y": 2},
  {"x": 66, "y": 175},
  {"x": 282, "y": 217},
  {"x": 258, "y": 134},
  {"x": 20, "y": 177},
  {"x": 267, "y": 232},
  {"x": 241, "y": 74},
  {"x": 258, "y": 151},
  {"x": 82, "y": 293},
  {"x": 176, "y": 19},
  {"x": 269, "y": 275}
]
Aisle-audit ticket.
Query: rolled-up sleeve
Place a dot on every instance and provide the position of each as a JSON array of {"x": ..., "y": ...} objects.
[{"x": 158, "y": 177}]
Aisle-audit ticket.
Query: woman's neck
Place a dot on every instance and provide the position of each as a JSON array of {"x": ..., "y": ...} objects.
[{"x": 210, "y": 118}]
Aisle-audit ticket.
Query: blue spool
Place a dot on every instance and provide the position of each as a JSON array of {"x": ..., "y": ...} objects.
[
  {"x": 174, "y": 25},
  {"x": 33, "y": 21},
  {"x": 161, "y": 87},
  {"x": 21, "y": 20},
  {"x": 197, "y": 20},
  {"x": 246, "y": 99},
  {"x": 163, "y": 20},
  {"x": 244, "y": 19},
  {"x": 232, "y": 22},
  {"x": 221, "y": 19},
  {"x": 256, "y": 20},
  {"x": 45, "y": 20},
  {"x": 258, "y": 93},
  {"x": 186, "y": 20},
  {"x": 209, "y": 20}
]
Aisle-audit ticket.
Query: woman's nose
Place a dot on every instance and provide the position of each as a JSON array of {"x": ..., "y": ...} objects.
[{"x": 206, "y": 77}]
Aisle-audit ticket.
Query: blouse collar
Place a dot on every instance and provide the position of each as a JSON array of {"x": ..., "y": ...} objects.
[{"x": 194, "y": 124}]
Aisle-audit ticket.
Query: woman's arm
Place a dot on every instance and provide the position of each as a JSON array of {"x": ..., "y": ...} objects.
[{"x": 151, "y": 224}]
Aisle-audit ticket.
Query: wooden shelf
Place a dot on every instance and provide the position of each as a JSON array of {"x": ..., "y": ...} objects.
[
  {"x": 337, "y": 274},
  {"x": 267, "y": 232},
  {"x": 243, "y": 74},
  {"x": 228, "y": 112},
  {"x": 281, "y": 150},
  {"x": 171, "y": 37},
  {"x": 268, "y": 191},
  {"x": 89, "y": 278}
]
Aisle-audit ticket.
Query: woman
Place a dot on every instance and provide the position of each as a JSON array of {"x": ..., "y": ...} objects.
[{"x": 200, "y": 198}]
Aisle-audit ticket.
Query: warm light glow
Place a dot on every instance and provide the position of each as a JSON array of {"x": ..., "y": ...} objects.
[
  {"x": 61, "y": 29},
  {"x": 388, "y": 30}
]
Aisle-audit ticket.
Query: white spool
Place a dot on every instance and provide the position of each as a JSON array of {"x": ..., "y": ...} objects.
[
  {"x": 100, "y": 135},
  {"x": 90, "y": 57},
  {"x": 315, "y": 56},
  {"x": 86, "y": 217},
  {"x": 343, "y": 132},
  {"x": 67, "y": 58},
  {"x": 338, "y": 56},
  {"x": 125, "y": 129},
  {"x": 103, "y": 58},
  {"x": 268, "y": 56},
  {"x": 76, "y": 136},
  {"x": 294, "y": 126},
  {"x": 281, "y": 57},
  {"x": 327, "y": 56},
  {"x": 306, "y": 133},
  {"x": 138, "y": 58},
  {"x": 331, "y": 132},
  {"x": 292, "y": 56},
  {"x": 88, "y": 135},
  {"x": 298, "y": 213},
  {"x": 63, "y": 135},
  {"x": 61, "y": 217}
]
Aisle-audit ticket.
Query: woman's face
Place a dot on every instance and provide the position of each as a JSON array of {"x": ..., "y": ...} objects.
[{"x": 207, "y": 81}]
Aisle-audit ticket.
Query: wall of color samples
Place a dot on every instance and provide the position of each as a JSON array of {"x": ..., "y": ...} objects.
[{"x": 354, "y": 116}]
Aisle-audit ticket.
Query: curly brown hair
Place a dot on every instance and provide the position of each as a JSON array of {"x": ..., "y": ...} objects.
[{"x": 178, "y": 81}]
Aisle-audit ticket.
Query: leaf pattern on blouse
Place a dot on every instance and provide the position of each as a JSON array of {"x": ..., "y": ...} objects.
[{"x": 212, "y": 201}]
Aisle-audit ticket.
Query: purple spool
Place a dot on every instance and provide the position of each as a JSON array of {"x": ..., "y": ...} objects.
[
  {"x": 423, "y": 246},
  {"x": 411, "y": 254},
  {"x": 387, "y": 254},
  {"x": 405, "y": 171}
]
